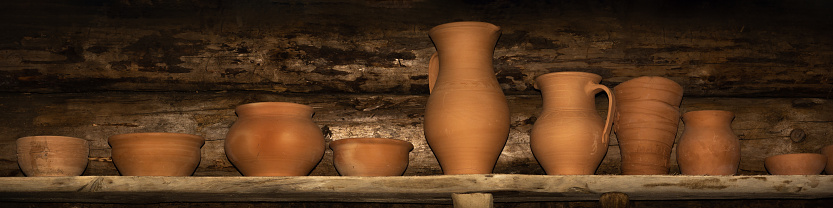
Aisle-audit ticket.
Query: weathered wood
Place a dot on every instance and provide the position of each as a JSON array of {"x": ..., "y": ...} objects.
[
  {"x": 734, "y": 48},
  {"x": 764, "y": 125},
  {"x": 410, "y": 189},
  {"x": 473, "y": 200}
]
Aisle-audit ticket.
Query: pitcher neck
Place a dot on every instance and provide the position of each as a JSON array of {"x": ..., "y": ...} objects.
[{"x": 568, "y": 90}]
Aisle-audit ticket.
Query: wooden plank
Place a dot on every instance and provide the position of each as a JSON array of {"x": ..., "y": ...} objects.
[
  {"x": 407, "y": 189},
  {"x": 763, "y": 124},
  {"x": 328, "y": 46},
  {"x": 473, "y": 200}
]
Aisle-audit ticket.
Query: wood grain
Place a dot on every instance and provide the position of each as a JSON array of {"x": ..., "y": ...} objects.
[{"x": 408, "y": 189}]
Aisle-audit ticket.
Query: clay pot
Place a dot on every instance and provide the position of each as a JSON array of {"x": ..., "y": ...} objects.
[
  {"x": 156, "y": 153},
  {"x": 52, "y": 155},
  {"x": 467, "y": 115},
  {"x": 569, "y": 137},
  {"x": 274, "y": 139},
  {"x": 370, "y": 156},
  {"x": 796, "y": 164},
  {"x": 828, "y": 151},
  {"x": 647, "y": 117},
  {"x": 708, "y": 145}
]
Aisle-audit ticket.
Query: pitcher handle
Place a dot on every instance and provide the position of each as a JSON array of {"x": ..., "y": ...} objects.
[
  {"x": 610, "y": 111},
  {"x": 433, "y": 71}
]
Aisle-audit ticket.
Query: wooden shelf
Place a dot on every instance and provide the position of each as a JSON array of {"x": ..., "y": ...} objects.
[{"x": 407, "y": 189}]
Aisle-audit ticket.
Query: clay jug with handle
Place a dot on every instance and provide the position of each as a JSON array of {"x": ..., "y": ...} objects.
[
  {"x": 569, "y": 137},
  {"x": 467, "y": 115}
]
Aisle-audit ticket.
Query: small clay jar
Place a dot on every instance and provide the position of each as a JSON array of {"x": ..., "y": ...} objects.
[
  {"x": 370, "y": 156},
  {"x": 708, "y": 145},
  {"x": 828, "y": 151},
  {"x": 274, "y": 139},
  {"x": 52, "y": 155},
  {"x": 156, "y": 153},
  {"x": 796, "y": 164}
]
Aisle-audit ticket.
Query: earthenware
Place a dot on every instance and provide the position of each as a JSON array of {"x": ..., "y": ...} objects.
[
  {"x": 467, "y": 115},
  {"x": 569, "y": 137},
  {"x": 274, "y": 139},
  {"x": 370, "y": 156},
  {"x": 156, "y": 153},
  {"x": 796, "y": 164},
  {"x": 708, "y": 146},
  {"x": 52, "y": 155}
]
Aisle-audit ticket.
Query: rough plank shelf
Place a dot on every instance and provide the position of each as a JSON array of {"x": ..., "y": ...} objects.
[{"x": 407, "y": 189}]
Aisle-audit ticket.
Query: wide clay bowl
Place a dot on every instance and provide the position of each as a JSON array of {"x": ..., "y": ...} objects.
[
  {"x": 828, "y": 152},
  {"x": 796, "y": 164},
  {"x": 370, "y": 156},
  {"x": 52, "y": 155},
  {"x": 156, "y": 154}
]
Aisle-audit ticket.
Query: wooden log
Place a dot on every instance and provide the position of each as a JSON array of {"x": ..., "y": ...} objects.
[
  {"x": 406, "y": 189},
  {"x": 764, "y": 125},
  {"x": 370, "y": 47},
  {"x": 473, "y": 200}
]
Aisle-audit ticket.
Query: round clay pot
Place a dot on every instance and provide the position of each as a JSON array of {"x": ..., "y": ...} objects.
[
  {"x": 467, "y": 115},
  {"x": 274, "y": 139},
  {"x": 708, "y": 145},
  {"x": 52, "y": 155},
  {"x": 569, "y": 137},
  {"x": 796, "y": 164},
  {"x": 647, "y": 111},
  {"x": 828, "y": 151},
  {"x": 370, "y": 156},
  {"x": 156, "y": 153},
  {"x": 650, "y": 88}
]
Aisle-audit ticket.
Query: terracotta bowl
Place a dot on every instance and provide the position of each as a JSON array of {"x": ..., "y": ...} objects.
[
  {"x": 370, "y": 156},
  {"x": 796, "y": 164},
  {"x": 828, "y": 151},
  {"x": 52, "y": 155},
  {"x": 156, "y": 154}
]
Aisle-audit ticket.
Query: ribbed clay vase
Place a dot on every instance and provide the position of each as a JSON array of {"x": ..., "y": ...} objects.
[
  {"x": 569, "y": 137},
  {"x": 52, "y": 155},
  {"x": 467, "y": 115},
  {"x": 646, "y": 121},
  {"x": 796, "y": 164},
  {"x": 274, "y": 139},
  {"x": 828, "y": 152},
  {"x": 156, "y": 153},
  {"x": 708, "y": 145},
  {"x": 370, "y": 156}
]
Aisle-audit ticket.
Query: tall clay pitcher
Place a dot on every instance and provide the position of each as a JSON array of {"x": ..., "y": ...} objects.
[
  {"x": 569, "y": 137},
  {"x": 467, "y": 115}
]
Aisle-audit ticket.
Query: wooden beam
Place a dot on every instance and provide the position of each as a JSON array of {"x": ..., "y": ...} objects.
[
  {"x": 473, "y": 200},
  {"x": 407, "y": 189}
]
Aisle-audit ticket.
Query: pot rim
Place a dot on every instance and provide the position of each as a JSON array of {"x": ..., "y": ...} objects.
[
  {"x": 144, "y": 135},
  {"x": 794, "y": 155},
  {"x": 590, "y": 75},
  {"x": 464, "y": 24},
  {"x": 50, "y": 137},
  {"x": 371, "y": 140}
]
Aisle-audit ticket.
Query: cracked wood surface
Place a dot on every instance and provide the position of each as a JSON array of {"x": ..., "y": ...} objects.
[{"x": 731, "y": 48}]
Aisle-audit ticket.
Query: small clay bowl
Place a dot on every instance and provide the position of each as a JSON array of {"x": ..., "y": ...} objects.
[
  {"x": 370, "y": 156},
  {"x": 796, "y": 164},
  {"x": 52, "y": 155},
  {"x": 156, "y": 153},
  {"x": 828, "y": 151}
]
